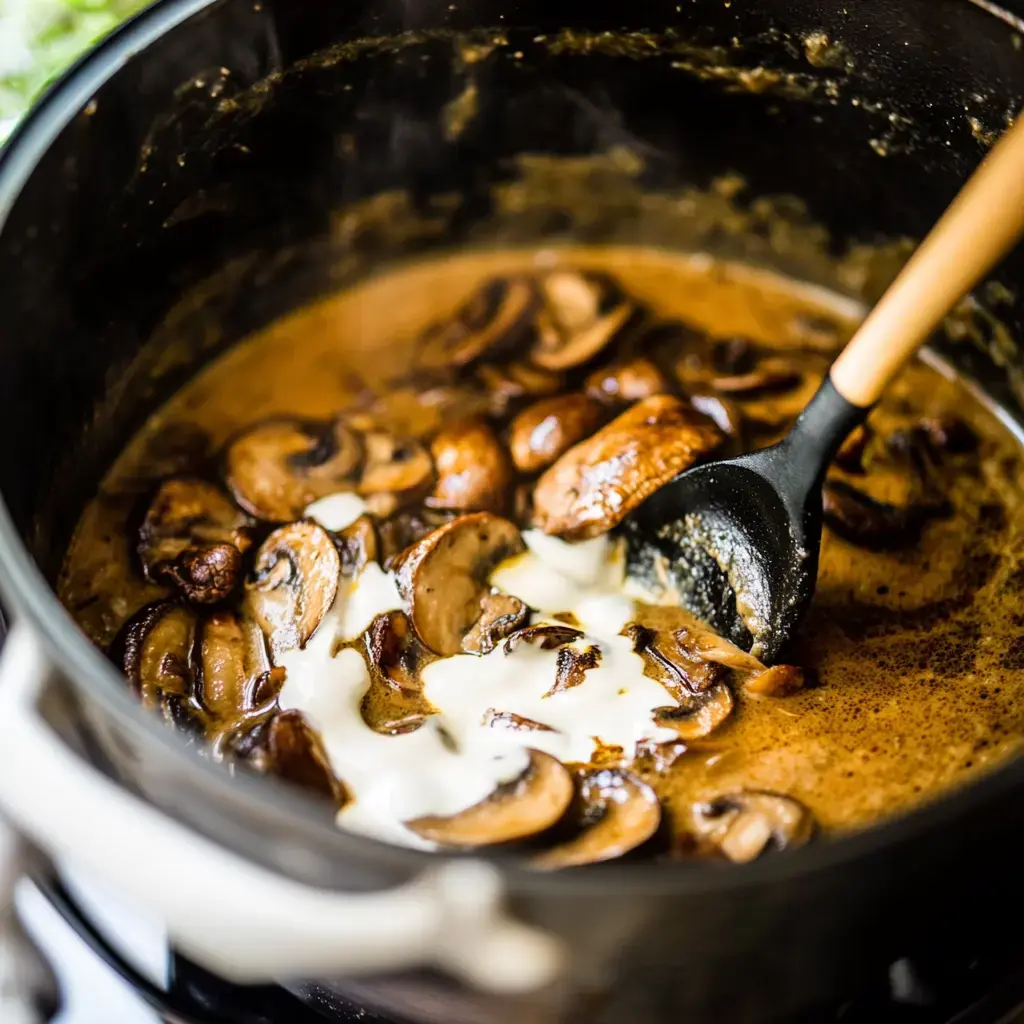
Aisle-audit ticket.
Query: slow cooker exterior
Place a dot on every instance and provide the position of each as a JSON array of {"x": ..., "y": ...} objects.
[{"x": 196, "y": 177}]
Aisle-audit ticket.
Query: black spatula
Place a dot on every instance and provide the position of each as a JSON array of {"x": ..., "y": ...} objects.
[{"x": 739, "y": 539}]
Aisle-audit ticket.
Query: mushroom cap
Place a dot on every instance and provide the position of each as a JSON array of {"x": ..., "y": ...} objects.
[
  {"x": 193, "y": 536},
  {"x": 154, "y": 650},
  {"x": 295, "y": 753},
  {"x": 294, "y": 583},
  {"x": 615, "y": 813},
  {"x": 529, "y": 805},
  {"x": 549, "y": 428},
  {"x": 497, "y": 317},
  {"x": 278, "y": 468},
  {"x": 501, "y": 615},
  {"x": 395, "y": 465},
  {"x": 546, "y": 635},
  {"x": 744, "y": 825},
  {"x": 698, "y": 715},
  {"x": 627, "y": 382},
  {"x": 599, "y": 481},
  {"x": 580, "y": 314},
  {"x": 473, "y": 469},
  {"x": 443, "y": 577},
  {"x": 232, "y": 660}
]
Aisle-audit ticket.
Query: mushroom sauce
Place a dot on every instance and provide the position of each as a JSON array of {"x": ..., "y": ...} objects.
[{"x": 375, "y": 551}]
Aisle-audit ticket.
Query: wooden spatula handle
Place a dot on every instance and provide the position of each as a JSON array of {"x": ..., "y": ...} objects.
[{"x": 984, "y": 222}]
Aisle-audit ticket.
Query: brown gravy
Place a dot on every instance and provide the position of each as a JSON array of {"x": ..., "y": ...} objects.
[{"x": 918, "y": 651}]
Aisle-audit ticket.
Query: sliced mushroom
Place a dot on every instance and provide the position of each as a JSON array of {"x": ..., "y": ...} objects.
[
  {"x": 614, "y": 812},
  {"x": 154, "y": 650},
  {"x": 549, "y": 428},
  {"x": 296, "y": 753},
  {"x": 394, "y": 702},
  {"x": 744, "y": 825},
  {"x": 508, "y": 384},
  {"x": 599, "y": 481},
  {"x": 546, "y": 636},
  {"x": 877, "y": 525},
  {"x": 400, "y": 532},
  {"x": 580, "y": 314},
  {"x": 674, "y": 664},
  {"x": 526, "y": 807},
  {"x": 497, "y": 318},
  {"x": 358, "y": 545},
  {"x": 768, "y": 379},
  {"x": 232, "y": 661},
  {"x": 703, "y": 643},
  {"x": 627, "y": 382},
  {"x": 777, "y": 681},
  {"x": 278, "y": 468},
  {"x": 473, "y": 470},
  {"x": 572, "y": 666},
  {"x": 501, "y": 615},
  {"x": 495, "y": 719},
  {"x": 193, "y": 536},
  {"x": 699, "y": 714},
  {"x": 395, "y": 466},
  {"x": 294, "y": 583},
  {"x": 443, "y": 578}
]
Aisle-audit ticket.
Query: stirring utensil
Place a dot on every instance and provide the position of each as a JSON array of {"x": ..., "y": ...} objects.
[{"x": 738, "y": 539}]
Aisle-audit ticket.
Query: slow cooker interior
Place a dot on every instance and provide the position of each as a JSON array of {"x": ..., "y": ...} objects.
[{"x": 203, "y": 190}]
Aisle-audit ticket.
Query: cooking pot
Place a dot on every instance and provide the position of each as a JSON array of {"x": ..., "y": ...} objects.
[{"x": 219, "y": 162}]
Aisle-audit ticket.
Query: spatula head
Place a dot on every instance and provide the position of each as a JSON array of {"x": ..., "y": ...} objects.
[{"x": 740, "y": 552}]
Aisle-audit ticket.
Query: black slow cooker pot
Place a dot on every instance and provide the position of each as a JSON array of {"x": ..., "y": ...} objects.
[{"x": 219, "y": 162}]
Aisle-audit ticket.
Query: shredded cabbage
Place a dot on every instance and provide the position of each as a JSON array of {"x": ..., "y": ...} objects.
[{"x": 40, "y": 38}]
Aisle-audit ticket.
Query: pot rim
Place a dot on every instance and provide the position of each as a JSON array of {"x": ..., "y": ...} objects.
[{"x": 79, "y": 661}]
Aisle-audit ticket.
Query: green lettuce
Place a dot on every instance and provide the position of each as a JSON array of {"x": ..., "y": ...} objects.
[{"x": 40, "y": 38}]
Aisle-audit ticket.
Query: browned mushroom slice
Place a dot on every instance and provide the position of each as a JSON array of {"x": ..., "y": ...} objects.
[
  {"x": 154, "y": 649},
  {"x": 699, "y": 714},
  {"x": 498, "y": 317},
  {"x": 580, "y": 314},
  {"x": 193, "y": 536},
  {"x": 443, "y": 578},
  {"x": 703, "y": 643},
  {"x": 529, "y": 805},
  {"x": 398, "y": 533},
  {"x": 546, "y": 636},
  {"x": 674, "y": 664},
  {"x": 767, "y": 379},
  {"x": 627, "y": 382},
  {"x": 358, "y": 545},
  {"x": 549, "y": 428},
  {"x": 777, "y": 681},
  {"x": 495, "y": 719},
  {"x": 599, "y": 481},
  {"x": 295, "y": 753},
  {"x": 395, "y": 466},
  {"x": 473, "y": 471},
  {"x": 877, "y": 525},
  {"x": 572, "y": 666},
  {"x": 294, "y": 583},
  {"x": 278, "y": 468},
  {"x": 501, "y": 616},
  {"x": 615, "y": 813},
  {"x": 232, "y": 658},
  {"x": 395, "y": 652},
  {"x": 744, "y": 825}
]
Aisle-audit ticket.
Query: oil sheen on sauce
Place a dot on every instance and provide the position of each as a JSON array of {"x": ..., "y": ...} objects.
[{"x": 918, "y": 653}]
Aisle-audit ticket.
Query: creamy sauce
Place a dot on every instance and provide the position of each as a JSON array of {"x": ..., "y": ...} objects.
[
  {"x": 458, "y": 758},
  {"x": 919, "y": 652}
]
